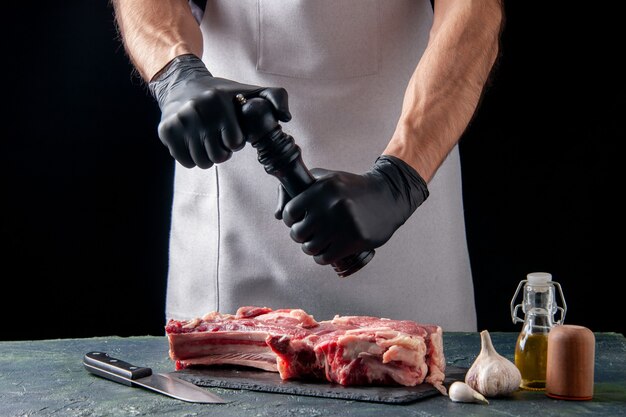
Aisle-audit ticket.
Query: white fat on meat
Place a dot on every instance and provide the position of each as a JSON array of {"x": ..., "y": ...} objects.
[
  {"x": 353, "y": 345},
  {"x": 266, "y": 361},
  {"x": 303, "y": 319}
]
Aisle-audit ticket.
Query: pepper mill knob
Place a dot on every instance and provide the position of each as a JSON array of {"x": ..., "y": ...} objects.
[{"x": 259, "y": 117}]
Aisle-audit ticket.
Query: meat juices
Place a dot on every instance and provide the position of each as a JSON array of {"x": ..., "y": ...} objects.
[{"x": 348, "y": 350}]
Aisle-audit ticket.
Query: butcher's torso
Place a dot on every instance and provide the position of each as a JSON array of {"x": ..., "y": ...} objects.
[{"x": 345, "y": 65}]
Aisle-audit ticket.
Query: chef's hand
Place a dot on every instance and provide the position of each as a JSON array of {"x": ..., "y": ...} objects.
[
  {"x": 343, "y": 213},
  {"x": 198, "y": 111}
]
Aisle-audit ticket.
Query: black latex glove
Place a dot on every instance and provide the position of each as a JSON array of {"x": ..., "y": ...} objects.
[
  {"x": 198, "y": 111},
  {"x": 344, "y": 213}
]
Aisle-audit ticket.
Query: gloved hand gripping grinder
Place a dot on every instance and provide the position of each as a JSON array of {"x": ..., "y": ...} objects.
[{"x": 282, "y": 158}]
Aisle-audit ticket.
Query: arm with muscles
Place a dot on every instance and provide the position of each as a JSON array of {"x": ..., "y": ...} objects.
[
  {"x": 198, "y": 112},
  {"x": 344, "y": 213}
]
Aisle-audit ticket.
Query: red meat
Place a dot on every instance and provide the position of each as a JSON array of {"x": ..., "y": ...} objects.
[{"x": 348, "y": 350}]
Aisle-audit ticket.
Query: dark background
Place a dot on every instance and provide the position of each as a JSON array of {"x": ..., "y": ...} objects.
[{"x": 87, "y": 184}]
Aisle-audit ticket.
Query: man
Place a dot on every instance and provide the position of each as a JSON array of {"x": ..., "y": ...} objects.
[{"x": 346, "y": 65}]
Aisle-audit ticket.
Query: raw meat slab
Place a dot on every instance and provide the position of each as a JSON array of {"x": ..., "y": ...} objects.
[
  {"x": 348, "y": 350},
  {"x": 256, "y": 380}
]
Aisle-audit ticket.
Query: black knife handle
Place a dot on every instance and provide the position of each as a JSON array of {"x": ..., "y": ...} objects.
[{"x": 101, "y": 364}]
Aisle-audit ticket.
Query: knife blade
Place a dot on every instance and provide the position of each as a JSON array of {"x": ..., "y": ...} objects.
[{"x": 101, "y": 364}]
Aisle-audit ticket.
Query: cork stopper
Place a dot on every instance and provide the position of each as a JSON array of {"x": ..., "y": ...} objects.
[{"x": 570, "y": 363}]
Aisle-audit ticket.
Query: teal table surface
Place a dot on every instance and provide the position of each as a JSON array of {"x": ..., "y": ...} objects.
[{"x": 46, "y": 378}]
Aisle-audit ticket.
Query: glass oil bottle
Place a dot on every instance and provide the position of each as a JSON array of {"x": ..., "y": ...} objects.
[{"x": 539, "y": 307}]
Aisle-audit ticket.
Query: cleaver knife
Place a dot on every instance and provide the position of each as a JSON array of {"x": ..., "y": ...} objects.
[{"x": 101, "y": 364}]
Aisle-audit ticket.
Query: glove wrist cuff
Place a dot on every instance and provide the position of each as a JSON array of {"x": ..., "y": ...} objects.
[
  {"x": 405, "y": 178},
  {"x": 178, "y": 68}
]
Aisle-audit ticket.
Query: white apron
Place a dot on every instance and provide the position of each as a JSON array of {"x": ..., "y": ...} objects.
[{"x": 345, "y": 65}]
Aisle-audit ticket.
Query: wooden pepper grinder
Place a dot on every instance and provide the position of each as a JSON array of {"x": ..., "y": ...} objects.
[{"x": 571, "y": 354}]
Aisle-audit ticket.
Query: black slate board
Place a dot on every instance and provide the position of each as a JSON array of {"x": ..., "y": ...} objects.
[{"x": 256, "y": 380}]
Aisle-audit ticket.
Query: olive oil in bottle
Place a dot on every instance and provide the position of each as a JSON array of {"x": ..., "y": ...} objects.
[
  {"x": 539, "y": 306},
  {"x": 531, "y": 358}
]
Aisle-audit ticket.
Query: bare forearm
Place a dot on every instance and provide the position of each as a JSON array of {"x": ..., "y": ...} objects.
[
  {"x": 447, "y": 84},
  {"x": 156, "y": 31}
]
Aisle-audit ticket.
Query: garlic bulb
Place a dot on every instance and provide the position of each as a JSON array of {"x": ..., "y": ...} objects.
[
  {"x": 460, "y": 392},
  {"x": 492, "y": 374}
]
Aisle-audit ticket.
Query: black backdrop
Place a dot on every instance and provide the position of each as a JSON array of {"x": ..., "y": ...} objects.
[{"x": 87, "y": 184}]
